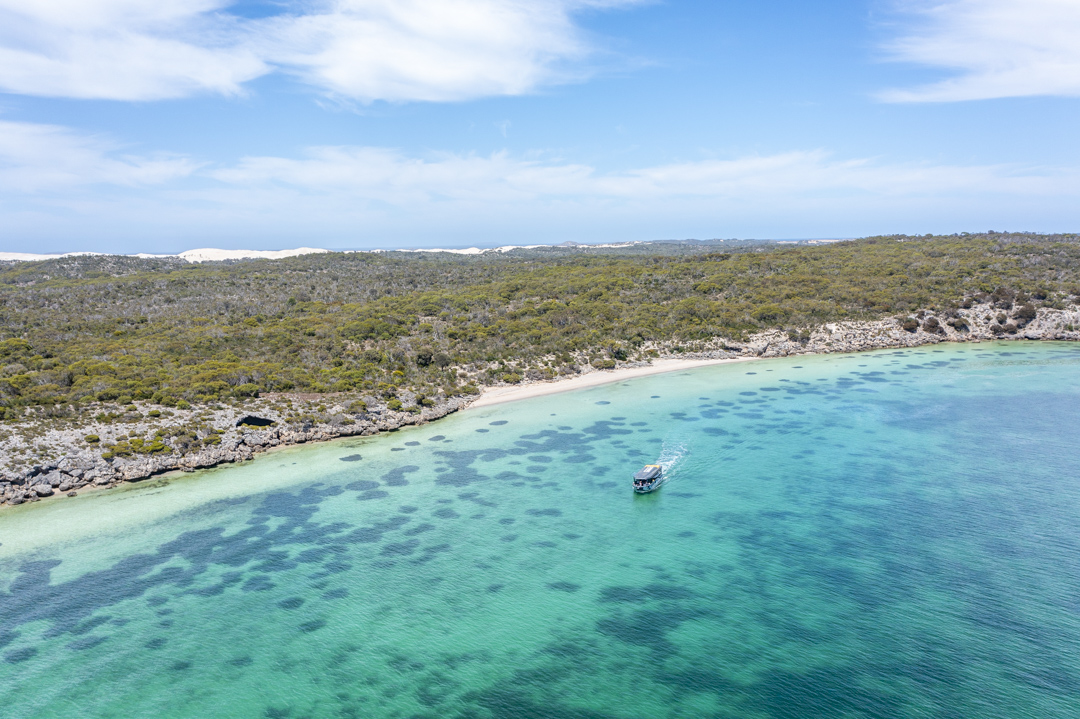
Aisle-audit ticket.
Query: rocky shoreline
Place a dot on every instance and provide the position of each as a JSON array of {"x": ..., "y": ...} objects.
[
  {"x": 113, "y": 450},
  {"x": 976, "y": 324},
  {"x": 251, "y": 429}
]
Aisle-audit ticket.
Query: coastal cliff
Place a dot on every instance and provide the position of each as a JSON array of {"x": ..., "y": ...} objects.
[{"x": 142, "y": 442}]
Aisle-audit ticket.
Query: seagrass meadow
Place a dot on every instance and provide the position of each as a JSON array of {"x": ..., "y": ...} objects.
[{"x": 881, "y": 535}]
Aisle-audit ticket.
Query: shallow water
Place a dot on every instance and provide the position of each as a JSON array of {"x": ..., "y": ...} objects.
[{"x": 891, "y": 534}]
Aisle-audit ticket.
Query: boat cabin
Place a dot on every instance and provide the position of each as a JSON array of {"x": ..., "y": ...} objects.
[{"x": 648, "y": 477}]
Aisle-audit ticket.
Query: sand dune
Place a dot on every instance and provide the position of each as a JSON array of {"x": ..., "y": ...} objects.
[{"x": 207, "y": 254}]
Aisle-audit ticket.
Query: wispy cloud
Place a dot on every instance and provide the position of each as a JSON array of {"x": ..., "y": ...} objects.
[
  {"x": 41, "y": 158},
  {"x": 998, "y": 48},
  {"x": 363, "y": 50},
  {"x": 37, "y": 159},
  {"x": 58, "y": 183},
  {"x": 390, "y": 177}
]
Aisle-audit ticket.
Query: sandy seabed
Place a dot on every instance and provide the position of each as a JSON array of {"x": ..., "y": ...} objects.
[{"x": 498, "y": 395}]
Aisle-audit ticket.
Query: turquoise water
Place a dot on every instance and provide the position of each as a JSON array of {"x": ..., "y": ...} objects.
[{"x": 892, "y": 534}]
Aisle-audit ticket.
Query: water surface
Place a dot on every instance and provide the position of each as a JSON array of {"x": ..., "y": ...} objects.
[{"x": 890, "y": 534}]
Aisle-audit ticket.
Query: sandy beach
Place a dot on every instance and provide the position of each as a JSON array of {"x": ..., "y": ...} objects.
[{"x": 498, "y": 395}]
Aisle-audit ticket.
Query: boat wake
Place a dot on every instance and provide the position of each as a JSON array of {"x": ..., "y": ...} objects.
[{"x": 671, "y": 456}]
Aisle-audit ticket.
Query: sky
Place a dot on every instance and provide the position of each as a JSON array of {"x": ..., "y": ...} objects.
[{"x": 163, "y": 125}]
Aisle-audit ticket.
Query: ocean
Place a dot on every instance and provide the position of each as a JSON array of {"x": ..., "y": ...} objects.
[{"x": 886, "y": 534}]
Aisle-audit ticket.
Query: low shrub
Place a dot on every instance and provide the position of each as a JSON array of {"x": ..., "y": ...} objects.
[
  {"x": 246, "y": 390},
  {"x": 800, "y": 336},
  {"x": 933, "y": 326},
  {"x": 1025, "y": 314}
]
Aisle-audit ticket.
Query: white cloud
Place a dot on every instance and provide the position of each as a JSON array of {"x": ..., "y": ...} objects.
[
  {"x": 428, "y": 50},
  {"x": 379, "y": 174},
  {"x": 122, "y": 49},
  {"x": 365, "y": 50},
  {"x": 62, "y": 191},
  {"x": 45, "y": 158},
  {"x": 37, "y": 158},
  {"x": 999, "y": 48}
]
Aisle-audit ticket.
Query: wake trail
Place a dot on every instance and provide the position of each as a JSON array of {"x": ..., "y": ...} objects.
[{"x": 671, "y": 456}]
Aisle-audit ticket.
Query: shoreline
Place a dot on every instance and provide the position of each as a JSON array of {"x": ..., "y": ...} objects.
[
  {"x": 75, "y": 464},
  {"x": 491, "y": 396}
]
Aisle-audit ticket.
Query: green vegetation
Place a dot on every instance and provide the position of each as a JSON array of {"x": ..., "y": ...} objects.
[{"x": 81, "y": 331}]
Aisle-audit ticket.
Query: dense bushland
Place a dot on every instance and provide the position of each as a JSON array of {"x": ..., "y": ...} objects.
[{"x": 82, "y": 330}]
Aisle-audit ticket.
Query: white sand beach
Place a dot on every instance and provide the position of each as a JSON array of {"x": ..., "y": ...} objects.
[{"x": 498, "y": 395}]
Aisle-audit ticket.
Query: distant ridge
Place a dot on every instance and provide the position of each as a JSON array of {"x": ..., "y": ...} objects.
[{"x": 208, "y": 254}]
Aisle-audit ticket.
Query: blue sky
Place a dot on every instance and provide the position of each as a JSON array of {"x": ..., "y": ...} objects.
[{"x": 137, "y": 126}]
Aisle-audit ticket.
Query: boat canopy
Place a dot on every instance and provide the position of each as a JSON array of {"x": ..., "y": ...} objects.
[{"x": 649, "y": 471}]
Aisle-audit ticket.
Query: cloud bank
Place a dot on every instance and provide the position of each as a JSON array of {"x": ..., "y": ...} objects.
[
  {"x": 998, "y": 48},
  {"x": 383, "y": 175},
  {"x": 72, "y": 190},
  {"x": 361, "y": 50},
  {"x": 42, "y": 160}
]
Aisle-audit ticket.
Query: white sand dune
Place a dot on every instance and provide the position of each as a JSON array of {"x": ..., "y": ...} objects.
[
  {"x": 467, "y": 250},
  {"x": 213, "y": 255},
  {"x": 509, "y": 248},
  {"x": 31, "y": 257},
  {"x": 498, "y": 395},
  {"x": 206, "y": 254}
]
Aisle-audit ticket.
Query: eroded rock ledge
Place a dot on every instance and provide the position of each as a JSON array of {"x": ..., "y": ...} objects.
[
  {"x": 978, "y": 324},
  {"x": 225, "y": 436},
  {"x": 79, "y": 466}
]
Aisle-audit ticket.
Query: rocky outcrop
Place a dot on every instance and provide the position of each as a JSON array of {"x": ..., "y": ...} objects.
[
  {"x": 79, "y": 466},
  {"x": 976, "y": 324}
]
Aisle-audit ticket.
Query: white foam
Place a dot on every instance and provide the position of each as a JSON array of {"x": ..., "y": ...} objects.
[{"x": 672, "y": 455}]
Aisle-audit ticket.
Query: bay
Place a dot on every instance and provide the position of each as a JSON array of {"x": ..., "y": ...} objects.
[{"x": 887, "y": 534}]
